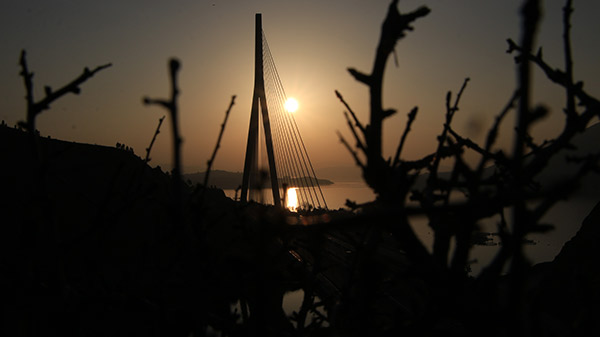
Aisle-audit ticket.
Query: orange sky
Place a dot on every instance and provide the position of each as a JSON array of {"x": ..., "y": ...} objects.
[{"x": 312, "y": 42}]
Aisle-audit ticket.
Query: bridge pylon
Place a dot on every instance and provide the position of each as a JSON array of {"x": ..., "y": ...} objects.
[{"x": 259, "y": 102}]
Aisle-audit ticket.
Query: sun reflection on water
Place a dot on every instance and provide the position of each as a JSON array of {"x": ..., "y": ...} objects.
[{"x": 292, "y": 199}]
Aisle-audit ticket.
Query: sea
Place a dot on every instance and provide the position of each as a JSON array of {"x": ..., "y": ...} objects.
[{"x": 336, "y": 194}]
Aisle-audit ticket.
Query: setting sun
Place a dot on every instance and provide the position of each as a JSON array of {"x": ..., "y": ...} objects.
[{"x": 291, "y": 105}]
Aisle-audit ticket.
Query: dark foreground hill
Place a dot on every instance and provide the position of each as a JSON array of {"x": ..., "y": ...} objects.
[{"x": 90, "y": 246}]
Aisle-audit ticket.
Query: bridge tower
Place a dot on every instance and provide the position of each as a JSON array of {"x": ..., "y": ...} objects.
[{"x": 259, "y": 101}]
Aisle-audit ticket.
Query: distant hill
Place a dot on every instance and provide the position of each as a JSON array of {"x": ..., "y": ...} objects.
[
  {"x": 229, "y": 180},
  {"x": 219, "y": 178},
  {"x": 351, "y": 173}
]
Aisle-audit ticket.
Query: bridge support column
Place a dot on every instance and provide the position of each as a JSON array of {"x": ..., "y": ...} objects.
[{"x": 259, "y": 101}]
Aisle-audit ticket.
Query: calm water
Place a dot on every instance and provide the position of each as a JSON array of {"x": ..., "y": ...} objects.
[
  {"x": 567, "y": 217},
  {"x": 335, "y": 194}
]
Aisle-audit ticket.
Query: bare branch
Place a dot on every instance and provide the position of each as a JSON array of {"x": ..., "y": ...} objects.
[
  {"x": 352, "y": 152},
  {"x": 444, "y": 152},
  {"x": 392, "y": 30},
  {"x": 571, "y": 110},
  {"x": 366, "y": 79},
  {"x": 394, "y": 27},
  {"x": 557, "y": 76},
  {"x": 160, "y": 102},
  {"x": 214, "y": 154},
  {"x": 450, "y": 110},
  {"x": 356, "y": 121},
  {"x": 72, "y": 87},
  {"x": 470, "y": 144},
  {"x": 493, "y": 133},
  {"x": 459, "y": 95},
  {"x": 359, "y": 142},
  {"x": 27, "y": 79},
  {"x": 388, "y": 112},
  {"x": 35, "y": 108},
  {"x": 149, "y": 148},
  {"x": 412, "y": 115},
  {"x": 531, "y": 16},
  {"x": 171, "y": 106}
]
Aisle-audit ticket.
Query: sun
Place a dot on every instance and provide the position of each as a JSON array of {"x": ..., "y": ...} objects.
[{"x": 291, "y": 105}]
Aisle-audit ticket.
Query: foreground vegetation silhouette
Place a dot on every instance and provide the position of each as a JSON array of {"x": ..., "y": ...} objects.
[{"x": 97, "y": 243}]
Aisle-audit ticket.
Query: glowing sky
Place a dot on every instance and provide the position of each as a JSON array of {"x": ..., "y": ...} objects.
[{"x": 312, "y": 42}]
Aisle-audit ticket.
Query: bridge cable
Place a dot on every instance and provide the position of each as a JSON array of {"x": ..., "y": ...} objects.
[
  {"x": 284, "y": 141},
  {"x": 299, "y": 157},
  {"x": 303, "y": 154}
]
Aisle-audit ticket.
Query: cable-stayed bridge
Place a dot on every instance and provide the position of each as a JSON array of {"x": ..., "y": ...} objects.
[{"x": 273, "y": 131}]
